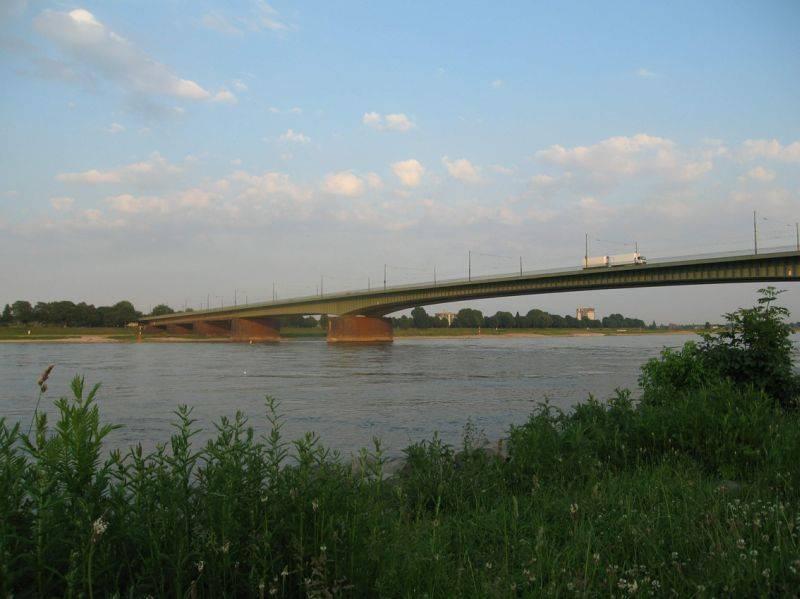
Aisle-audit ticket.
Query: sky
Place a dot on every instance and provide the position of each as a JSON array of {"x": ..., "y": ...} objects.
[{"x": 185, "y": 152}]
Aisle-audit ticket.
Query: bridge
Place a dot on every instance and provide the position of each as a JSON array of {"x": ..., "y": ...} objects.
[{"x": 359, "y": 316}]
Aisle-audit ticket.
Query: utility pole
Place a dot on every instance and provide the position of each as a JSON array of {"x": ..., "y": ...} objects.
[
  {"x": 369, "y": 285},
  {"x": 235, "y": 298},
  {"x": 384, "y": 277},
  {"x": 586, "y": 252},
  {"x": 434, "y": 275},
  {"x": 636, "y": 245},
  {"x": 469, "y": 266},
  {"x": 797, "y": 235},
  {"x": 274, "y": 293},
  {"x": 208, "y": 301},
  {"x": 755, "y": 233},
  {"x": 520, "y": 266},
  {"x": 321, "y": 285}
]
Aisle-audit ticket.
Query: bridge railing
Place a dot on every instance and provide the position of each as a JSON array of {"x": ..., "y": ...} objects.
[{"x": 485, "y": 278}]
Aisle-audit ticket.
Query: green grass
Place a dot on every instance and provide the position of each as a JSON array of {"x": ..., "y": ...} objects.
[
  {"x": 47, "y": 333},
  {"x": 612, "y": 499}
]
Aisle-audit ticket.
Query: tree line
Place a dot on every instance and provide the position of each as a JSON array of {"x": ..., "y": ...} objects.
[
  {"x": 470, "y": 318},
  {"x": 69, "y": 314}
]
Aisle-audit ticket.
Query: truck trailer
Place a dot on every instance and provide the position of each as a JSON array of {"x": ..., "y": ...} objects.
[{"x": 617, "y": 260}]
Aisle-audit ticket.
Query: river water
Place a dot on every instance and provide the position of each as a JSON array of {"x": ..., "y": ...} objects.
[{"x": 401, "y": 392}]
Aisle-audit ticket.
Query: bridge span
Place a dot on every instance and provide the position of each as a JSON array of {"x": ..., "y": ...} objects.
[{"x": 359, "y": 316}]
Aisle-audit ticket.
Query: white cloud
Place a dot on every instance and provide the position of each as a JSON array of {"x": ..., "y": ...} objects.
[
  {"x": 543, "y": 180},
  {"x": 619, "y": 157},
  {"x": 114, "y": 128},
  {"x": 224, "y": 96},
  {"x": 645, "y": 73},
  {"x": 502, "y": 170},
  {"x": 239, "y": 85},
  {"x": 153, "y": 171},
  {"x": 62, "y": 203},
  {"x": 409, "y": 172},
  {"x": 462, "y": 169},
  {"x": 260, "y": 187},
  {"x": 373, "y": 180},
  {"x": 261, "y": 17},
  {"x": 760, "y": 173},
  {"x": 497, "y": 83},
  {"x": 130, "y": 204},
  {"x": 390, "y": 122},
  {"x": 103, "y": 53},
  {"x": 343, "y": 183},
  {"x": 294, "y": 137},
  {"x": 772, "y": 149}
]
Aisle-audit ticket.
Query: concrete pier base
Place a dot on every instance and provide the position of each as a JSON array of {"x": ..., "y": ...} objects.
[
  {"x": 213, "y": 328},
  {"x": 179, "y": 329},
  {"x": 360, "y": 329},
  {"x": 255, "y": 330}
]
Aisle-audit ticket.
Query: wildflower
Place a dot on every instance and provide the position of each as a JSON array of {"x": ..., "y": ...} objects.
[
  {"x": 674, "y": 556},
  {"x": 43, "y": 378},
  {"x": 273, "y": 590},
  {"x": 488, "y": 565},
  {"x": 200, "y": 565},
  {"x": 740, "y": 543},
  {"x": 596, "y": 557},
  {"x": 573, "y": 508},
  {"x": 99, "y": 526},
  {"x": 323, "y": 548},
  {"x": 285, "y": 572},
  {"x": 314, "y": 505},
  {"x": 765, "y": 573}
]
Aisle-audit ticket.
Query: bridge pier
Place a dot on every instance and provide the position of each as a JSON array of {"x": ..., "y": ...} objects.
[
  {"x": 360, "y": 329},
  {"x": 180, "y": 329},
  {"x": 255, "y": 329},
  {"x": 213, "y": 328}
]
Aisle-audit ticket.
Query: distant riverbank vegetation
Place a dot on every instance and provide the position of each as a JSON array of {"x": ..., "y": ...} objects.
[
  {"x": 469, "y": 318},
  {"x": 693, "y": 490}
]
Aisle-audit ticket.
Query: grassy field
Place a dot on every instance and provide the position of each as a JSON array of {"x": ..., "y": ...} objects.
[{"x": 50, "y": 333}]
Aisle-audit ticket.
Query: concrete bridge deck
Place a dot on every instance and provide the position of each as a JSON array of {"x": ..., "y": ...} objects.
[{"x": 360, "y": 313}]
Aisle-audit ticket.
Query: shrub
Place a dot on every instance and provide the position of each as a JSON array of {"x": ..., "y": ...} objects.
[{"x": 754, "y": 349}]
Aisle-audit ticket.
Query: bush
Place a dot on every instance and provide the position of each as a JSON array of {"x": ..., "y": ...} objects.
[{"x": 754, "y": 350}]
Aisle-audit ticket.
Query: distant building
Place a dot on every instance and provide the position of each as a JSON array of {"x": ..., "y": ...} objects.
[
  {"x": 448, "y": 316},
  {"x": 587, "y": 313}
]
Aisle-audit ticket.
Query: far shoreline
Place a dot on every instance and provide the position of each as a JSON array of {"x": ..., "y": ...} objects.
[{"x": 85, "y": 338}]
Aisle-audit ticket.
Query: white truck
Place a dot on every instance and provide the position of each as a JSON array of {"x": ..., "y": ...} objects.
[{"x": 617, "y": 260}]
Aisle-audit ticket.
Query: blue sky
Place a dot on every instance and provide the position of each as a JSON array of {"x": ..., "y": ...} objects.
[{"x": 168, "y": 151}]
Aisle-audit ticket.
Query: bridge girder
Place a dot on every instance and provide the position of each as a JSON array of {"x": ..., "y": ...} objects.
[{"x": 766, "y": 268}]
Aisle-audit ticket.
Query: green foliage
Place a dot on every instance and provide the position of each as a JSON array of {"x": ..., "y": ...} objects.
[
  {"x": 161, "y": 310},
  {"x": 611, "y": 496},
  {"x": 468, "y": 318},
  {"x": 753, "y": 349}
]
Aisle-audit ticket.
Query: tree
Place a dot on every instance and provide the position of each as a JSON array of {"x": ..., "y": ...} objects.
[
  {"x": 468, "y": 318},
  {"x": 162, "y": 310},
  {"x": 22, "y": 312},
  {"x": 323, "y": 322},
  {"x": 504, "y": 320},
  {"x": 6, "y": 317},
  {"x": 420, "y": 318},
  {"x": 538, "y": 319}
]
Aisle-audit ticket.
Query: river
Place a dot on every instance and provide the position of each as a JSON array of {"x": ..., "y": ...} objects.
[{"x": 401, "y": 392}]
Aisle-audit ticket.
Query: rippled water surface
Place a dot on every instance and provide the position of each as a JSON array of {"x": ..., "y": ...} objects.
[{"x": 401, "y": 392}]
